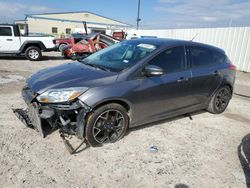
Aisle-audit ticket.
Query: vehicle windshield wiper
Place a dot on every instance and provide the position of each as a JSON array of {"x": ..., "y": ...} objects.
[
  {"x": 103, "y": 68},
  {"x": 96, "y": 66}
]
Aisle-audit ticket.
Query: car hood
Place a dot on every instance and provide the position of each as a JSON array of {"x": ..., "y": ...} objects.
[{"x": 69, "y": 75}]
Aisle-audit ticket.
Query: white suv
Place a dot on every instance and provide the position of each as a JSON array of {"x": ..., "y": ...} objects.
[{"x": 12, "y": 43}]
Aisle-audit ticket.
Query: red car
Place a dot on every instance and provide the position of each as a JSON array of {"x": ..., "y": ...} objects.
[
  {"x": 84, "y": 45},
  {"x": 61, "y": 43}
]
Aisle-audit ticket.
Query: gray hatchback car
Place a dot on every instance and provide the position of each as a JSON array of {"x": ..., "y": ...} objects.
[{"x": 131, "y": 83}]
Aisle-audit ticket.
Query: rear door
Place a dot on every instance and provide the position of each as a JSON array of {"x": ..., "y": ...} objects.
[
  {"x": 206, "y": 76},
  {"x": 8, "y": 41}
]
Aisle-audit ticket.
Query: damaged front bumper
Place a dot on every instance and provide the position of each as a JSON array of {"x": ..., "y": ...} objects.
[{"x": 68, "y": 117}]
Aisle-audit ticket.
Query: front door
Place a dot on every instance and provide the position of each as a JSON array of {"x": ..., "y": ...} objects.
[
  {"x": 166, "y": 94},
  {"x": 8, "y": 42}
]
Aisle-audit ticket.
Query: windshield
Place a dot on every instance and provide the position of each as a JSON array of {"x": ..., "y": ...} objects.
[{"x": 120, "y": 55}]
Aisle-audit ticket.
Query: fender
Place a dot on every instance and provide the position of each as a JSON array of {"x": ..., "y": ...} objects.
[
  {"x": 127, "y": 103},
  {"x": 30, "y": 43}
]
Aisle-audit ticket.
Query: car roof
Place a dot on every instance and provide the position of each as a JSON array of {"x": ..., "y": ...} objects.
[
  {"x": 7, "y": 24},
  {"x": 175, "y": 42}
]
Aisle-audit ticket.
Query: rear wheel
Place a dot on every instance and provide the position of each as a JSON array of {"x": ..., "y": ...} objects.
[
  {"x": 220, "y": 100},
  {"x": 61, "y": 46},
  {"x": 33, "y": 53},
  {"x": 107, "y": 124}
]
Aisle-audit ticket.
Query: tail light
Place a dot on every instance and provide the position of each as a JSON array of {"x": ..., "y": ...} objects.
[{"x": 231, "y": 66}]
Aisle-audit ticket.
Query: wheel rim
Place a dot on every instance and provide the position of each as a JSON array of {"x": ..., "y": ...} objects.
[
  {"x": 61, "y": 47},
  {"x": 33, "y": 54},
  {"x": 108, "y": 126},
  {"x": 222, "y": 99}
]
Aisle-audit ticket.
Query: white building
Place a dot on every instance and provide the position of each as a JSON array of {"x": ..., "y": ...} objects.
[{"x": 64, "y": 23}]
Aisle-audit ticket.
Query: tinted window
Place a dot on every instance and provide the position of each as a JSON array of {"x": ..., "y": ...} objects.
[
  {"x": 171, "y": 60},
  {"x": 201, "y": 56},
  {"x": 219, "y": 58},
  {"x": 5, "y": 31}
]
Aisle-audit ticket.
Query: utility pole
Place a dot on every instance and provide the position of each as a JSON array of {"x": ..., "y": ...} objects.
[{"x": 138, "y": 14}]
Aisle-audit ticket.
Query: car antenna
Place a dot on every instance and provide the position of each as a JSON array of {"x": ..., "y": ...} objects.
[{"x": 194, "y": 37}]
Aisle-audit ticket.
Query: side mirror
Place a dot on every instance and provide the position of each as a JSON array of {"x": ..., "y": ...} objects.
[{"x": 152, "y": 70}]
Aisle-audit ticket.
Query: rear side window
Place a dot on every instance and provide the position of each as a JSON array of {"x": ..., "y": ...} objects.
[
  {"x": 171, "y": 60},
  {"x": 5, "y": 31},
  {"x": 219, "y": 58},
  {"x": 201, "y": 56}
]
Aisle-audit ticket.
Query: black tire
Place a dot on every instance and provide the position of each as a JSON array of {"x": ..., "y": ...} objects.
[
  {"x": 107, "y": 124},
  {"x": 65, "y": 55},
  {"x": 33, "y": 53},
  {"x": 220, "y": 100},
  {"x": 61, "y": 46}
]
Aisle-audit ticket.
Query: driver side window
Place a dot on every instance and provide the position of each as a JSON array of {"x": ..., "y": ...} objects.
[{"x": 170, "y": 60}]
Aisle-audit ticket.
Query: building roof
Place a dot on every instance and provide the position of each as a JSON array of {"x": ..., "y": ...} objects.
[{"x": 76, "y": 17}]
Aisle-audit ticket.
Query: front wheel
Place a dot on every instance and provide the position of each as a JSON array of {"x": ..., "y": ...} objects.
[
  {"x": 33, "y": 53},
  {"x": 107, "y": 124},
  {"x": 220, "y": 100}
]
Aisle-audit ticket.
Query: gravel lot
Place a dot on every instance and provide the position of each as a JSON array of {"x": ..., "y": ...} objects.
[{"x": 202, "y": 152}]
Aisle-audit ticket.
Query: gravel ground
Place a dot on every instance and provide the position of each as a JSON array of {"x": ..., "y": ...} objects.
[{"x": 202, "y": 152}]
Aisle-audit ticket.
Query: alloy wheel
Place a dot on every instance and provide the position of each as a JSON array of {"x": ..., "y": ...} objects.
[
  {"x": 222, "y": 99},
  {"x": 33, "y": 54},
  {"x": 108, "y": 126}
]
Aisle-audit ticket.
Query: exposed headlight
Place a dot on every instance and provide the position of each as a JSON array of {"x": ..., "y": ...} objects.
[{"x": 61, "y": 95}]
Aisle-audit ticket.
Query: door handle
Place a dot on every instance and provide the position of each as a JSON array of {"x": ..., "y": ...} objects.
[
  {"x": 182, "y": 79},
  {"x": 216, "y": 73},
  {"x": 9, "y": 39}
]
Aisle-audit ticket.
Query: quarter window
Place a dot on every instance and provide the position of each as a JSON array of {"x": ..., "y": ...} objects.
[
  {"x": 5, "y": 31},
  {"x": 171, "y": 60},
  {"x": 201, "y": 56},
  {"x": 219, "y": 58}
]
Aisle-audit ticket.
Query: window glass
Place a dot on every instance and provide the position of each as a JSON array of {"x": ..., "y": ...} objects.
[
  {"x": 21, "y": 27},
  {"x": 219, "y": 58},
  {"x": 5, "y": 31},
  {"x": 121, "y": 55},
  {"x": 107, "y": 40},
  {"x": 54, "y": 30},
  {"x": 201, "y": 56},
  {"x": 171, "y": 60},
  {"x": 68, "y": 31}
]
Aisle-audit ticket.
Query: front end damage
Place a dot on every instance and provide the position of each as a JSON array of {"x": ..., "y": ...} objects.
[{"x": 68, "y": 117}]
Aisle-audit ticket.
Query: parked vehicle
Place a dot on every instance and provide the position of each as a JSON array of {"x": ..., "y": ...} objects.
[
  {"x": 61, "y": 43},
  {"x": 121, "y": 35},
  {"x": 12, "y": 43},
  {"x": 129, "y": 84},
  {"x": 83, "y": 45}
]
